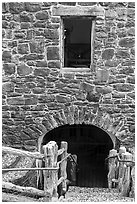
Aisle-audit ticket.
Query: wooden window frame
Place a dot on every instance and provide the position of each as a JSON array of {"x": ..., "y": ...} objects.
[
  {"x": 73, "y": 69},
  {"x": 91, "y": 12}
]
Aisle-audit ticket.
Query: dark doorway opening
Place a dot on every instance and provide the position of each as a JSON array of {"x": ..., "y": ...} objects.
[{"x": 91, "y": 145}]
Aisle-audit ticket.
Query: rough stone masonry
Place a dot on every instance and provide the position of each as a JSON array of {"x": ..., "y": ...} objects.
[{"x": 37, "y": 97}]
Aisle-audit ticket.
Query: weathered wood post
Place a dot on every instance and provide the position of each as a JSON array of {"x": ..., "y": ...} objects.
[
  {"x": 122, "y": 150},
  {"x": 132, "y": 192},
  {"x": 126, "y": 174},
  {"x": 112, "y": 167},
  {"x": 50, "y": 176},
  {"x": 63, "y": 166}
]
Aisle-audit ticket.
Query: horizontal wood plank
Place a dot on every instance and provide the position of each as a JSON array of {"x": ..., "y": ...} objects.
[
  {"x": 27, "y": 169},
  {"x": 26, "y": 190}
]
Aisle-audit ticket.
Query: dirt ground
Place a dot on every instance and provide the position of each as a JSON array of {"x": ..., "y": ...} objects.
[{"x": 75, "y": 194}]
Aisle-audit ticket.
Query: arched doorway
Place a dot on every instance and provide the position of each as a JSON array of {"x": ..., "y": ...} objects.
[{"x": 91, "y": 145}]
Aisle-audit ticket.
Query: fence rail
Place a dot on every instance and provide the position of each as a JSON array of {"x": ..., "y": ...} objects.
[
  {"x": 50, "y": 171},
  {"x": 122, "y": 171}
]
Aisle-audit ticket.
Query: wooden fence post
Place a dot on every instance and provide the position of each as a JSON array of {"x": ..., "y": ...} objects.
[
  {"x": 112, "y": 167},
  {"x": 63, "y": 166},
  {"x": 132, "y": 192},
  {"x": 50, "y": 176},
  {"x": 126, "y": 174},
  {"x": 122, "y": 150}
]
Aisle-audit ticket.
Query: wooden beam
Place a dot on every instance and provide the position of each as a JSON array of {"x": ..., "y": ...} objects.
[
  {"x": 60, "y": 180},
  {"x": 27, "y": 169},
  {"x": 78, "y": 11},
  {"x": 25, "y": 190},
  {"x": 50, "y": 178},
  {"x": 126, "y": 179},
  {"x": 63, "y": 166},
  {"x": 9, "y": 197},
  {"x": 10, "y": 150},
  {"x": 60, "y": 151}
]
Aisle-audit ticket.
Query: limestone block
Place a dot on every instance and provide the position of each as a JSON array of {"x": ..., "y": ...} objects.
[
  {"x": 6, "y": 56},
  {"x": 127, "y": 42},
  {"x": 16, "y": 8},
  {"x": 16, "y": 101},
  {"x": 36, "y": 47},
  {"x": 23, "y": 48},
  {"x": 86, "y": 86},
  {"x": 9, "y": 68},
  {"x": 42, "y": 63},
  {"x": 124, "y": 88},
  {"x": 78, "y": 11},
  {"x": 24, "y": 70},
  {"x": 42, "y": 15},
  {"x": 43, "y": 72},
  {"x": 53, "y": 53},
  {"x": 26, "y": 17},
  {"x": 102, "y": 75},
  {"x": 7, "y": 87},
  {"x": 122, "y": 54},
  {"x": 32, "y": 6}
]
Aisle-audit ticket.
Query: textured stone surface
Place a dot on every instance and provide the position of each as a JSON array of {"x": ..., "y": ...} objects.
[
  {"x": 35, "y": 91},
  {"x": 86, "y": 87},
  {"x": 16, "y": 8},
  {"x": 9, "y": 68},
  {"x": 53, "y": 53},
  {"x": 127, "y": 42},
  {"x": 24, "y": 70},
  {"x": 42, "y": 15},
  {"x": 102, "y": 75},
  {"x": 23, "y": 48},
  {"x": 108, "y": 54}
]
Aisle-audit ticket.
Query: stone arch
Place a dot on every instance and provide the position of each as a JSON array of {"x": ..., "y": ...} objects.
[{"x": 74, "y": 115}]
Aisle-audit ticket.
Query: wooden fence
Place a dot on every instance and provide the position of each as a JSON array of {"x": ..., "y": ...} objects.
[
  {"x": 50, "y": 170},
  {"x": 122, "y": 171}
]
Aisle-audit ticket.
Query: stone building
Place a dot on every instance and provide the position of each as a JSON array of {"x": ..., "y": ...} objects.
[{"x": 68, "y": 74}]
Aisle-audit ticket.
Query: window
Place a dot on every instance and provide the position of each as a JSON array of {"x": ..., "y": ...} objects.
[
  {"x": 77, "y": 42},
  {"x": 77, "y": 35}
]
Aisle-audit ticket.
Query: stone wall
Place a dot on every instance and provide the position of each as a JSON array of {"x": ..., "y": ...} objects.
[{"x": 38, "y": 97}]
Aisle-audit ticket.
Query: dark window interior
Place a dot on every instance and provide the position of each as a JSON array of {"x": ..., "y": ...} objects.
[{"x": 77, "y": 42}]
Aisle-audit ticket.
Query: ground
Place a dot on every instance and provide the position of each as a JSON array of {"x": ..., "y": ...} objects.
[{"x": 77, "y": 194}]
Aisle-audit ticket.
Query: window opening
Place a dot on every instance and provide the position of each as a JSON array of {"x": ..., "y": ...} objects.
[{"x": 77, "y": 37}]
